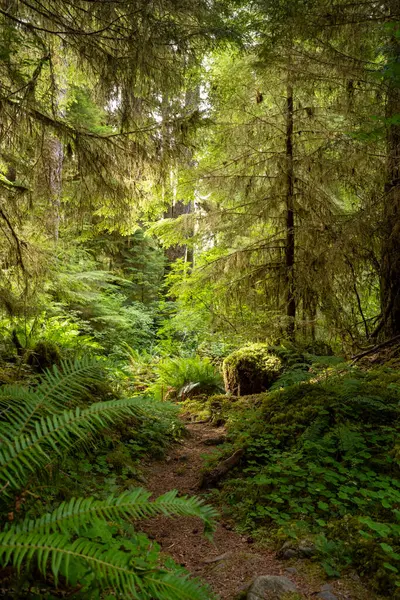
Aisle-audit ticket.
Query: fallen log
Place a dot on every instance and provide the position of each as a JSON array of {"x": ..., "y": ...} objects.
[
  {"x": 357, "y": 357},
  {"x": 212, "y": 478}
]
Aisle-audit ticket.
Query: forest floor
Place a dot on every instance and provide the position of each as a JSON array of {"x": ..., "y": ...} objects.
[{"x": 231, "y": 561}]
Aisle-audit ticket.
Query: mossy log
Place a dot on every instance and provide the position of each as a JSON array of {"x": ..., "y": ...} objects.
[{"x": 212, "y": 478}]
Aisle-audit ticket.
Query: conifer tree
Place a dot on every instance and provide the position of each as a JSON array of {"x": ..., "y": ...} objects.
[
  {"x": 320, "y": 180},
  {"x": 58, "y": 171}
]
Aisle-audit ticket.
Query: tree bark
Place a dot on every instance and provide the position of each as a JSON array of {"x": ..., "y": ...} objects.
[
  {"x": 53, "y": 157},
  {"x": 290, "y": 232},
  {"x": 390, "y": 260}
]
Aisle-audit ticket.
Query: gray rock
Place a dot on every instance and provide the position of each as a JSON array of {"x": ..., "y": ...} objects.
[
  {"x": 304, "y": 549},
  {"x": 327, "y": 595},
  {"x": 287, "y": 551},
  {"x": 291, "y": 570},
  {"x": 270, "y": 587},
  {"x": 307, "y": 551}
]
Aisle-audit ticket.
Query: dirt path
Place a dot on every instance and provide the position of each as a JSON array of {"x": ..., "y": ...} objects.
[{"x": 231, "y": 561}]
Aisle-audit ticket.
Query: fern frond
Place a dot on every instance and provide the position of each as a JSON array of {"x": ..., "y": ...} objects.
[
  {"x": 112, "y": 567},
  {"x": 17, "y": 407},
  {"x": 58, "y": 433},
  {"x": 57, "y": 388},
  {"x": 315, "y": 430},
  {"x": 61, "y": 385},
  {"x": 134, "y": 504},
  {"x": 13, "y": 394},
  {"x": 168, "y": 586}
]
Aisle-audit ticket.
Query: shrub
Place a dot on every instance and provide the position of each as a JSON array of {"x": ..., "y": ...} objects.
[{"x": 250, "y": 370}]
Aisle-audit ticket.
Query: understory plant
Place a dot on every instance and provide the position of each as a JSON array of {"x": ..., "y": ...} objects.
[
  {"x": 87, "y": 544},
  {"x": 321, "y": 460},
  {"x": 178, "y": 378}
]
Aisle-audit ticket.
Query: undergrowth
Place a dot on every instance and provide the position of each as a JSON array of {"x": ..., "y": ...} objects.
[
  {"x": 321, "y": 461},
  {"x": 69, "y": 472}
]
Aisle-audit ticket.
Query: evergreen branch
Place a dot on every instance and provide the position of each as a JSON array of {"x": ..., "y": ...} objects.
[{"x": 10, "y": 185}]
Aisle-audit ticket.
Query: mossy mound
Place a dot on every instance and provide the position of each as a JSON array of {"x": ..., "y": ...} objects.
[
  {"x": 251, "y": 370},
  {"x": 44, "y": 355}
]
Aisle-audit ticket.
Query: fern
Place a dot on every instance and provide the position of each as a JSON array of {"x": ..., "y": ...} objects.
[
  {"x": 71, "y": 380},
  {"x": 182, "y": 377},
  {"x": 57, "y": 433},
  {"x": 112, "y": 568},
  {"x": 36, "y": 427},
  {"x": 56, "y": 389},
  {"x": 133, "y": 504},
  {"x": 47, "y": 541}
]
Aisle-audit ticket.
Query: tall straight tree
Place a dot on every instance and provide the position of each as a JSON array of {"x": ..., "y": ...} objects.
[
  {"x": 390, "y": 268},
  {"x": 360, "y": 43}
]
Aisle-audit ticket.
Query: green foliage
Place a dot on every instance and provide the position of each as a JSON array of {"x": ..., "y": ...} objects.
[
  {"x": 319, "y": 453},
  {"x": 82, "y": 539},
  {"x": 250, "y": 370},
  {"x": 43, "y": 355},
  {"x": 179, "y": 378}
]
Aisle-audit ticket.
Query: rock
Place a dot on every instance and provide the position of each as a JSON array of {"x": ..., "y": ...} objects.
[
  {"x": 214, "y": 441},
  {"x": 287, "y": 551},
  {"x": 291, "y": 571},
  {"x": 327, "y": 595},
  {"x": 306, "y": 550},
  {"x": 250, "y": 370},
  {"x": 224, "y": 556},
  {"x": 270, "y": 587}
]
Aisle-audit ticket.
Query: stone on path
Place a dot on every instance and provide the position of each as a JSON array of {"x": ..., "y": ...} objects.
[
  {"x": 326, "y": 595},
  {"x": 270, "y": 587}
]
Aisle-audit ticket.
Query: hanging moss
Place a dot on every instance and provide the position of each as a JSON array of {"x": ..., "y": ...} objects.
[{"x": 251, "y": 370}]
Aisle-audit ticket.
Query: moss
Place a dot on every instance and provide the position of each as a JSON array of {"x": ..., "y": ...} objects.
[
  {"x": 325, "y": 454},
  {"x": 251, "y": 370},
  {"x": 44, "y": 355}
]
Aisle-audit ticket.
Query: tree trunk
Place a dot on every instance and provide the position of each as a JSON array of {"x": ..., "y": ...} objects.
[
  {"x": 53, "y": 157},
  {"x": 290, "y": 232},
  {"x": 390, "y": 263}
]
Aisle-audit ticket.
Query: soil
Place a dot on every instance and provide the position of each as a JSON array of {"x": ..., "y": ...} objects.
[{"x": 231, "y": 561}]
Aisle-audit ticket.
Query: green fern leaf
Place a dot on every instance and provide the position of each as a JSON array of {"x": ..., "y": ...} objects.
[
  {"x": 134, "y": 504},
  {"x": 58, "y": 433},
  {"x": 112, "y": 568},
  {"x": 57, "y": 389}
]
